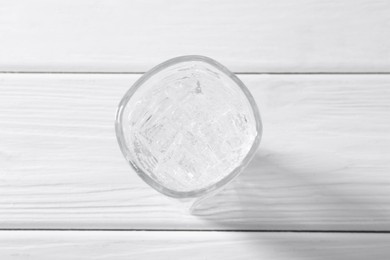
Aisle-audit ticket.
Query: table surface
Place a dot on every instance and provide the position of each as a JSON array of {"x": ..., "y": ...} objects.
[{"x": 318, "y": 187}]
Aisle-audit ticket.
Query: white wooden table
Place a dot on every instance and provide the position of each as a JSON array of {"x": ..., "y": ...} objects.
[{"x": 318, "y": 188}]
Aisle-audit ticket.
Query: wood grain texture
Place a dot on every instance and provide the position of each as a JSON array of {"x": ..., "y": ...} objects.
[
  {"x": 247, "y": 36},
  {"x": 191, "y": 245},
  {"x": 323, "y": 163}
]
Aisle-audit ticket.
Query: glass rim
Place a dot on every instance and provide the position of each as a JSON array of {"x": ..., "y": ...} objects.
[{"x": 150, "y": 181}]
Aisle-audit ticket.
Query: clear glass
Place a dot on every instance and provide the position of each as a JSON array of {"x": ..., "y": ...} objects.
[{"x": 188, "y": 127}]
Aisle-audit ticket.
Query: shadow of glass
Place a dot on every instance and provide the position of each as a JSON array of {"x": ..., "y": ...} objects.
[{"x": 276, "y": 193}]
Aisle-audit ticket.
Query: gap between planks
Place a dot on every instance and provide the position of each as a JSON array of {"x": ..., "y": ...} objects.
[
  {"x": 237, "y": 73},
  {"x": 200, "y": 230}
]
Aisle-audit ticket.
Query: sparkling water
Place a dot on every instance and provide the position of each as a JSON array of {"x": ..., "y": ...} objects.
[{"x": 189, "y": 129}]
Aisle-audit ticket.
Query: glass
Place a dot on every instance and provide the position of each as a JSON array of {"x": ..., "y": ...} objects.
[{"x": 188, "y": 127}]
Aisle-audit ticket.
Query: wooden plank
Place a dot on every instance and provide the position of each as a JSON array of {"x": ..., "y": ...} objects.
[
  {"x": 191, "y": 245},
  {"x": 323, "y": 163},
  {"x": 247, "y": 36}
]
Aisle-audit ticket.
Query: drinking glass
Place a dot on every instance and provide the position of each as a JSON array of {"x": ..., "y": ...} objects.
[{"x": 188, "y": 127}]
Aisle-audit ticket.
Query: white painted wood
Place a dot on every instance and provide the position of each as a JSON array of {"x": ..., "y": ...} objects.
[
  {"x": 112, "y": 245},
  {"x": 323, "y": 163},
  {"x": 247, "y": 36}
]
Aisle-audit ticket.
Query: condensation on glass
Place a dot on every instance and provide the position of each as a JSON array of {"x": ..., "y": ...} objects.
[{"x": 188, "y": 126}]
